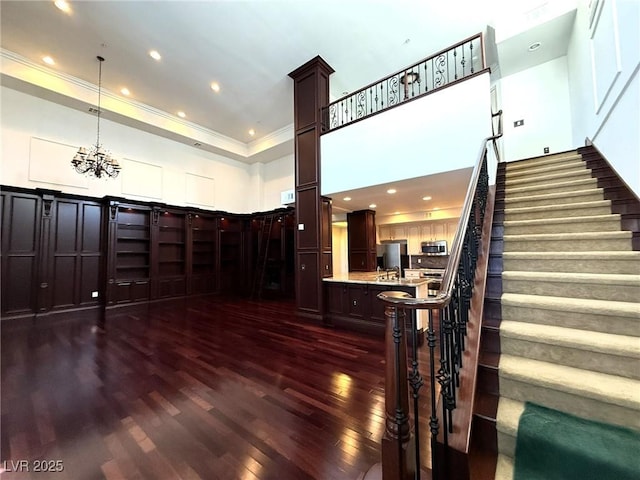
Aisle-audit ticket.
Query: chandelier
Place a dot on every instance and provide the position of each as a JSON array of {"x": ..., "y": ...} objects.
[{"x": 96, "y": 161}]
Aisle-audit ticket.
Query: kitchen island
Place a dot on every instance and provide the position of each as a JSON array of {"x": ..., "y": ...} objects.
[{"x": 351, "y": 300}]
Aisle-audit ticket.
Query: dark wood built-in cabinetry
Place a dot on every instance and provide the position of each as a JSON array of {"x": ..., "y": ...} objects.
[
  {"x": 51, "y": 251},
  {"x": 201, "y": 272},
  {"x": 361, "y": 230},
  {"x": 64, "y": 252},
  {"x": 128, "y": 253},
  {"x": 356, "y": 306},
  {"x": 170, "y": 228},
  {"x": 273, "y": 271}
]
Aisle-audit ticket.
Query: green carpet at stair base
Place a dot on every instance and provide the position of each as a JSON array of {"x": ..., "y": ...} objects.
[{"x": 552, "y": 445}]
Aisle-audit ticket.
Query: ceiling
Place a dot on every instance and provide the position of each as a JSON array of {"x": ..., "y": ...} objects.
[{"x": 248, "y": 48}]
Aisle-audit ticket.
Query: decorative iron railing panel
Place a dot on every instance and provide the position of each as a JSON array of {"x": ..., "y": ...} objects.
[
  {"x": 446, "y": 341},
  {"x": 434, "y": 72}
]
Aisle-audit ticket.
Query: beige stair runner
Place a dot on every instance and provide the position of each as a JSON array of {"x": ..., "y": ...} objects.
[{"x": 570, "y": 331}]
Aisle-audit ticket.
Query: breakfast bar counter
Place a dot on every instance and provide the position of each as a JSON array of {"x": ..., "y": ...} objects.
[{"x": 351, "y": 299}]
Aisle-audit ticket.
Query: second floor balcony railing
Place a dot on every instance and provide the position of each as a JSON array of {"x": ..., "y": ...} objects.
[{"x": 432, "y": 73}]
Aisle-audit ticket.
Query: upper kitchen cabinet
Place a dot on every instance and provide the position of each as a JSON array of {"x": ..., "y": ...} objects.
[
  {"x": 361, "y": 232},
  {"x": 417, "y": 232},
  {"x": 393, "y": 232}
]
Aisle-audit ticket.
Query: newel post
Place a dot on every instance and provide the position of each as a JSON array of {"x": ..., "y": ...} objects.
[{"x": 398, "y": 449}]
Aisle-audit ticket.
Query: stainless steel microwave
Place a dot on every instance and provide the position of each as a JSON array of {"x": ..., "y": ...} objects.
[{"x": 437, "y": 247}]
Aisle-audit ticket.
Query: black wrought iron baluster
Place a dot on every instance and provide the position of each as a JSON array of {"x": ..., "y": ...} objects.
[
  {"x": 454, "y": 312},
  {"x": 351, "y": 108},
  {"x": 381, "y": 98},
  {"x": 444, "y": 372},
  {"x": 371, "y": 100},
  {"x": 416, "y": 381},
  {"x": 361, "y": 104},
  {"x": 455, "y": 64},
  {"x": 393, "y": 91},
  {"x": 334, "y": 115},
  {"x": 471, "y": 54},
  {"x": 426, "y": 77},
  {"x": 433, "y": 419},
  {"x": 463, "y": 62}
]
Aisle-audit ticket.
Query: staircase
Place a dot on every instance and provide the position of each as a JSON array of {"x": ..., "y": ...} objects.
[{"x": 569, "y": 335}]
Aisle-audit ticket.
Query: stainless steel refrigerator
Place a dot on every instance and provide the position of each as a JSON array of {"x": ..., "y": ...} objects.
[{"x": 392, "y": 253}]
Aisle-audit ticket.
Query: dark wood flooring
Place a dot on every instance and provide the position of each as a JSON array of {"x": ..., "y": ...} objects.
[{"x": 210, "y": 390}]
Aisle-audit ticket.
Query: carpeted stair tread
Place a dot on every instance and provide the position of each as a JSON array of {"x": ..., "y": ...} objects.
[
  {"x": 585, "y": 349},
  {"x": 596, "y": 286},
  {"x": 568, "y": 236},
  {"x": 558, "y": 187},
  {"x": 569, "y": 277},
  {"x": 599, "y": 223},
  {"x": 626, "y": 256},
  {"x": 588, "y": 195},
  {"x": 620, "y": 318},
  {"x": 576, "y": 241},
  {"x": 602, "y": 307},
  {"x": 509, "y": 411},
  {"x": 623, "y": 262},
  {"x": 558, "y": 206},
  {"x": 548, "y": 179},
  {"x": 545, "y": 169},
  {"x": 621, "y": 345},
  {"x": 543, "y": 160},
  {"x": 601, "y": 387},
  {"x": 504, "y": 468}
]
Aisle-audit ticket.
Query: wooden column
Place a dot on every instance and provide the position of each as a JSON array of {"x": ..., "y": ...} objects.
[
  {"x": 311, "y": 93},
  {"x": 398, "y": 444}
]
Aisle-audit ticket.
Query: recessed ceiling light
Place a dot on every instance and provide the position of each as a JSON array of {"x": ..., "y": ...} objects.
[
  {"x": 391, "y": 190},
  {"x": 215, "y": 87},
  {"x": 346, "y": 199},
  {"x": 534, "y": 46},
  {"x": 396, "y": 213},
  {"x": 373, "y": 205},
  {"x": 426, "y": 198},
  {"x": 154, "y": 54},
  {"x": 252, "y": 132},
  {"x": 63, "y": 5},
  {"x": 125, "y": 91},
  {"x": 182, "y": 114},
  {"x": 436, "y": 208},
  {"x": 48, "y": 60}
]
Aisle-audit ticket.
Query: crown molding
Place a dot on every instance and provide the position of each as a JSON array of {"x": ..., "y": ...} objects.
[{"x": 128, "y": 111}]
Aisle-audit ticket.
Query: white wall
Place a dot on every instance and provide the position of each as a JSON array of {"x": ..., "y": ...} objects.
[
  {"x": 277, "y": 177},
  {"x": 603, "y": 63},
  {"x": 39, "y": 139},
  {"x": 340, "y": 249},
  {"x": 436, "y": 133},
  {"x": 540, "y": 97}
]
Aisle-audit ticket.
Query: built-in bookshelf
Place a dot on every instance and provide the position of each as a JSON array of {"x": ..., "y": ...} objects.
[
  {"x": 129, "y": 264},
  {"x": 232, "y": 255},
  {"x": 203, "y": 253},
  {"x": 171, "y": 252}
]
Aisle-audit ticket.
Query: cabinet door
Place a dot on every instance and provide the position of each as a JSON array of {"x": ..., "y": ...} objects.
[
  {"x": 356, "y": 301},
  {"x": 334, "y": 295},
  {"x": 399, "y": 232},
  {"x": 439, "y": 231},
  {"x": 384, "y": 232},
  {"x": 361, "y": 261},
  {"x": 377, "y": 306},
  {"x": 413, "y": 240},
  {"x": 425, "y": 232},
  {"x": 452, "y": 226}
]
